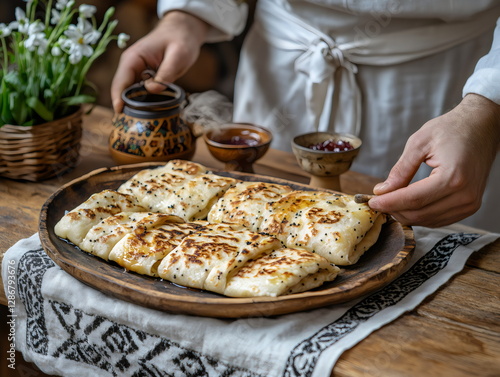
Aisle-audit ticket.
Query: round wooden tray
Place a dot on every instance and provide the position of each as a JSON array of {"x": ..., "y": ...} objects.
[{"x": 381, "y": 264}]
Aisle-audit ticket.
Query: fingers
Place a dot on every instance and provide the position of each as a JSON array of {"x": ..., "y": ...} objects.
[
  {"x": 170, "y": 63},
  {"x": 134, "y": 62},
  {"x": 412, "y": 197},
  {"x": 442, "y": 212},
  {"x": 431, "y": 202},
  {"x": 176, "y": 62},
  {"x": 405, "y": 168},
  {"x": 127, "y": 73}
]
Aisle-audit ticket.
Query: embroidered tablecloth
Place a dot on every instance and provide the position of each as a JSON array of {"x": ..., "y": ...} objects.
[{"x": 67, "y": 328}]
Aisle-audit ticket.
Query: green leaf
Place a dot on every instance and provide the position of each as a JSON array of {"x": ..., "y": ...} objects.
[
  {"x": 40, "y": 108},
  {"x": 17, "y": 108},
  {"x": 12, "y": 80},
  {"x": 2, "y": 89},
  {"x": 78, "y": 100},
  {"x": 5, "y": 114},
  {"x": 28, "y": 123}
]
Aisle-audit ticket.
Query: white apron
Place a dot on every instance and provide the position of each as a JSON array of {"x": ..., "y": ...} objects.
[
  {"x": 328, "y": 96},
  {"x": 294, "y": 79}
]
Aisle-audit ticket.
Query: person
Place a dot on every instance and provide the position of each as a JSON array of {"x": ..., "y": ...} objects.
[{"x": 420, "y": 84}]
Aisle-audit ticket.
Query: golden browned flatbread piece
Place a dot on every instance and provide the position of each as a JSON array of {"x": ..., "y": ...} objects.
[
  {"x": 244, "y": 203},
  {"x": 75, "y": 224},
  {"x": 331, "y": 225},
  {"x": 205, "y": 259},
  {"x": 283, "y": 271},
  {"x": 103, "y": 236},
  {"x": 143, "y": 252}
]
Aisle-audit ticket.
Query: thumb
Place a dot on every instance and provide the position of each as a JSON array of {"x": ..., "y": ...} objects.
[
  {"x": 175, "y": 63},
  {"x": 161, "y": 79}
]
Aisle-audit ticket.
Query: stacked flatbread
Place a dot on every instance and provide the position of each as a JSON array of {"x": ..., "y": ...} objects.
[
  {"x": 245, "y": 203},
  {"x": 182, "y": 223},
  {"x": 75, "y": 224},
  {"x": 331, "y": 225},
  {"x": 181, "y": 188}
]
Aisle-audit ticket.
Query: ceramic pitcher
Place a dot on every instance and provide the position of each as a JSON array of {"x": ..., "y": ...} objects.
[{"x": 151, "y": 127}]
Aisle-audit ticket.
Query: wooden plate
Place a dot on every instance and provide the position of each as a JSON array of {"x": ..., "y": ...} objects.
[{"x": 380, "y": 265}]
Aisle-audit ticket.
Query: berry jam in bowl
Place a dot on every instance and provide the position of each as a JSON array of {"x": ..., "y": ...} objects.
[
  {"x": 326, "y": 155},
  {"x": 238, "y": 145},
  {"x": 332, "y": 145}
]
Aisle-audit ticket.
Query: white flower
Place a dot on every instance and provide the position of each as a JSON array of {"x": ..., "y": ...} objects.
[
  {"x": 87, "y": 11},
  {"x": 4, "y": 30},
  {"x": 22, "y": 23},
  {"x": 63, "y": 44},
  {"x": 122, "y": 40},
  {"x": 36, "y": 28},
  {"x": 93, "y": 36},
  {"x": 75, "y": 57},
  {"x": 63, "y": 4},
  {"x": 80, "y": 37},
  {"x": 56, "y": 17},
  {"x": 37, "y": 42},
  {"x": 36, "y": 38},
  {"x": 56, "y": 50}
]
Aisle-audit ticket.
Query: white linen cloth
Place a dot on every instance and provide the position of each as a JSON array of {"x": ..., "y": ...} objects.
[{"x": 69, "y": 329}]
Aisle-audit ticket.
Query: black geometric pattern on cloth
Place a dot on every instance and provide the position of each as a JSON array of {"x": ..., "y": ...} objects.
[
  {"x": 94, "y": 340},
  {"x": 305, "y": 355},
  {"x": 31, "y": 268}
]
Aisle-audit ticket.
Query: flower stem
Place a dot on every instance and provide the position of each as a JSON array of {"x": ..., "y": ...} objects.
[
  {"x": 5, "y": 57},
  {"x": 47, "y": 14}
]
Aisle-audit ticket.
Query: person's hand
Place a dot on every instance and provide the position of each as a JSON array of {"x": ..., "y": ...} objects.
[
  {"x": 170, "y": 50},
  {"x": 460, "y": 146}
]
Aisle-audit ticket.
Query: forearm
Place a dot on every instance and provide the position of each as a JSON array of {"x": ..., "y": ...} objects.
[
  {"x": 198, "y": 28},
  {"x": 485, "y": 108}
]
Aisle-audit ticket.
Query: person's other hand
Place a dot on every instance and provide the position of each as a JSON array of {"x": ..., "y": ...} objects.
[
  {"x": 460, "y": 146},
  {"x": 170, "y": 50}
]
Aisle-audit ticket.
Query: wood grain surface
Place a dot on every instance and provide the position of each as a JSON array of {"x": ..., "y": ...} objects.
[{"x": 454, "y": 332}]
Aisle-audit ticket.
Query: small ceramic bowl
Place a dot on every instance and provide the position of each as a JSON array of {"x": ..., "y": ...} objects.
[
  {"x": 238, "y": 145},
  {"x": 325, "y": 167}
]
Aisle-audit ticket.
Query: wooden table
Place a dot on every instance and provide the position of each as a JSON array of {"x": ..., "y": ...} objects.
[{"x": 455, "y": 332}]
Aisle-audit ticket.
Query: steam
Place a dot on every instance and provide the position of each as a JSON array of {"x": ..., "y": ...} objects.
[{"x": 208, "y": 109}]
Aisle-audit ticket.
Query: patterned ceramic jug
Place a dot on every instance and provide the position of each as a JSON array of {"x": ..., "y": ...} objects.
[{"x": 151, "y": 128}]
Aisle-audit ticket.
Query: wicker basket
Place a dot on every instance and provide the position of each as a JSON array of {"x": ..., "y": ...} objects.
[{"x": 40, "y": 152}]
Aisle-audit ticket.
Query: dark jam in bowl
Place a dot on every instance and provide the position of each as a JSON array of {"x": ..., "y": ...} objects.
[
  {"x": 332, "y": 146},
  {"x": 238, "y": 140}
]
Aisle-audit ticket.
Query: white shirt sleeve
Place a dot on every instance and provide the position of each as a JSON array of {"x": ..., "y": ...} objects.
[
  {"x": 226, "y": 17},
  {"x": 485, "y": 80}
]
